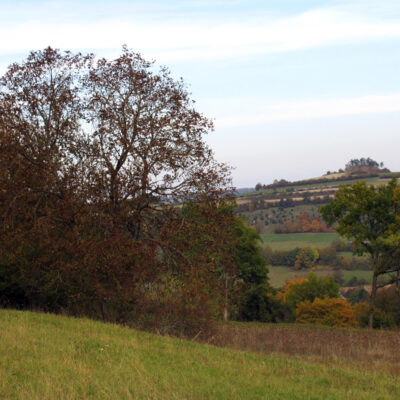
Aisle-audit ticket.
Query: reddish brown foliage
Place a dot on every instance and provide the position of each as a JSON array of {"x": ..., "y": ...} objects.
[
  {"x": 96, "y": 159},
  {"x": 302, "y": 224}
]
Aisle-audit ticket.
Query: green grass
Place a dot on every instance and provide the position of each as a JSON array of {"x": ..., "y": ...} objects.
[
  {"x": 51, "y": 357},
  {"x": 359, "y": 274},
  {"x": 278, "y": 275},
  {"x": 288, "y": 241}
]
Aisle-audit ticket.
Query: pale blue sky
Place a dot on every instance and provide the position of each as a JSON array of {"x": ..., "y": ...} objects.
[{"x": 295, "y": 87}]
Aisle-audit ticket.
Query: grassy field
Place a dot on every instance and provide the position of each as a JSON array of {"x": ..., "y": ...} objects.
[
  {"x": 311, "y": 185},
  {"x": 290, "y": 241},
  {"x": 278, "y": 275},
  {"x": 51, "y": 357}
]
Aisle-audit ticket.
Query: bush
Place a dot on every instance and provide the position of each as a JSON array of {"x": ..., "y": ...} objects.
[
  {"x": 327, "y": 311},
  {"x": 341, "y": 245},
  {"x": 354, "y": 281},
  {"x": 306, "y": 258},
  {"x": 328, "y": 256},
  {"x": 358, "y": 295},
  {"x": 388, "y": 301},
  {"x": 381, "y": 319},
  {"x": 259, "y": 305}
]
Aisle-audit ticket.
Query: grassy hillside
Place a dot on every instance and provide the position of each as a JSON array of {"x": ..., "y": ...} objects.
[
  {"x": 52, "y": 357},
  {"x": 314, "y": 185}
]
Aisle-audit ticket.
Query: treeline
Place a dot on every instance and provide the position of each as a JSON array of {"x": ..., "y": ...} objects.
[
  {"x": 363, "y": 162},
  {"x": 350, "y": 168},
  {"x": 284, "y": 183},
  {"x": 316, "y": 300},
  {"x": 284, "y": 202},
  {"x": 307, "y": 257},
  {"x": 302, "y": 224}
]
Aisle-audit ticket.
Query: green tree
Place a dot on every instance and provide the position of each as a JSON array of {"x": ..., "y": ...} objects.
[
  {"x": 251, "y": 280},
  {"x": 216, "y": 236},
  {"x": 369, "y": 216},
  {"x": 306, "y": 258},
  {"x": 249, "y": 258},
  {"x": 298, "y": 290}
]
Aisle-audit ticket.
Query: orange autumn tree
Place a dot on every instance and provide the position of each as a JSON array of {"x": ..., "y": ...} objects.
[
  {"x": 326, "y": 311},
  {"x": 315, "y": 226},
  {"x": 287, "y": 292},
  {"x": 303, "y": 222}
]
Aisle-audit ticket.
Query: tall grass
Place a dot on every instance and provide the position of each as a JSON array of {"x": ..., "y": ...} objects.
[{"x": 376, "y": 350}]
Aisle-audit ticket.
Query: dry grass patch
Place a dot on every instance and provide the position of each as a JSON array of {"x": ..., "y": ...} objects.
[{"x": 373, "y": 350}]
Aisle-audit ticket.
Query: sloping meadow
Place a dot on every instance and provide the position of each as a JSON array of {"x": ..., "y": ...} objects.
[{"x": 44, "y": 356}]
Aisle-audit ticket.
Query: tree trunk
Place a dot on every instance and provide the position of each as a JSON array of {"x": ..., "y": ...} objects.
[
  {"x": 226, "y": 313},
  {"x": 372, "y": 301}
]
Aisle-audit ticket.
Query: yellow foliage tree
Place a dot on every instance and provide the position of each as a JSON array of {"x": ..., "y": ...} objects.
[
  {"x": 327, "y": 311},
  {"x": 315, "y": 226},
  {"x": 306, "y": 258}
]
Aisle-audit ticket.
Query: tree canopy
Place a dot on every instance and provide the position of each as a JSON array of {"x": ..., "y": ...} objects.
[
  {"x": 363, "y": 162},
  {"x": 298, "y": 290},
  {"x": 370, "y": 217},
  {"x": 97, "y": 159}
]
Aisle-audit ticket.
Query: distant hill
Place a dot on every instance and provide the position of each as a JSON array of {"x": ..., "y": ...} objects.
[
  {"x": 269, "y": 207},
  {"x": 354, "y": 169},
  {"x": 357, "y": 173},
  {"x": 243, "y": 190}
]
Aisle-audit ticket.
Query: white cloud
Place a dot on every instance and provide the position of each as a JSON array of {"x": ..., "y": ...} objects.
[
  {"x": 309, "y": 109},
  {"x": 205, "y": 38}
]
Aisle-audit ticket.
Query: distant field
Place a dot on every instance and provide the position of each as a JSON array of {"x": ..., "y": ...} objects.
[
  {"x": 279, "y": 275},
  {"x": 311, "y": 185},
  {"x": 47, "y": 357},
  {"x": 288, "y": 241},
  {"x": 346, "y": 182},
  {"x": 277, "y": 216}
]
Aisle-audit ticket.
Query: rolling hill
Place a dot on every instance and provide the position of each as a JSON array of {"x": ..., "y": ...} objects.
[{"x": 54, "y": 357}]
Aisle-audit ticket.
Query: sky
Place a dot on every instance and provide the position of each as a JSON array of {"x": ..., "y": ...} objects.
[{"x": 295, "y": 87}]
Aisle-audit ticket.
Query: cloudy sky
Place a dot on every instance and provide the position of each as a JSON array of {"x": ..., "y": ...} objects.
[{"x": 295, "y": 87}]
